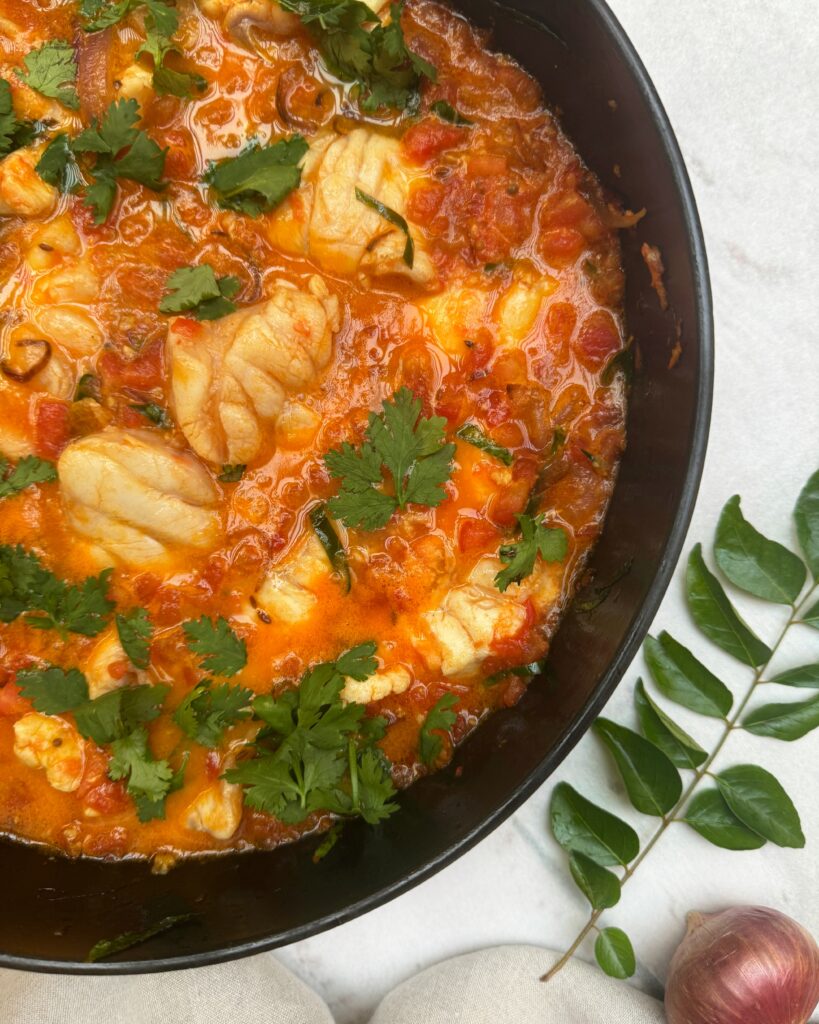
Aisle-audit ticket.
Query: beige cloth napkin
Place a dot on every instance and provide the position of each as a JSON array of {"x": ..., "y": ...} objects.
[{"x": 494, "y": 986}]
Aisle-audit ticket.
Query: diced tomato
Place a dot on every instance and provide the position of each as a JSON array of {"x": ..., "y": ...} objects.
[
  {"x": 513, "y": 499},
  {"x": 476, "y": 534},
  {"x": 52, "y": 428},
  {"x": 486, "y": 165},
  {"x": 599, "y": 338},
  {"x": 181, "y": 159},
  {"x": 430, "y": 137},
  {"x": 141, "y": 372},
  {"x": 97, "y": 791},
  {"x": 117, "y": 669},
  {"x": 11, "y": 703},
  {"x": 514, "y": 649},
  {"x": 561, "y": 246},
  {"x": 425, "y": 203},
  {"x": 479, "y": 352}
]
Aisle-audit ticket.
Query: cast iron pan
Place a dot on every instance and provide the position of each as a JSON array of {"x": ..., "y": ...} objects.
[{"x": 54, "y": 910}]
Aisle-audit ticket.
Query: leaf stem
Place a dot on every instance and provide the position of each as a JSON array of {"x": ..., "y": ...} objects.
[{"x": 731, "y": 723}]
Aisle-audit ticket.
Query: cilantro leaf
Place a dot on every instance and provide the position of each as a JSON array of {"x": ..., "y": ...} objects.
[
  {"x": 330, "y": 541},
  {"x": 148, "y": 780},
  {"x": 323, "y": 755},
  {"x": 135, "y": 631},
  {"x": 385, "y": 71},
  {"x": 206, "y": 712},
  {"x": 155, "y": 413},
  {"x": 551, "y": 543},
  {"x": 25, "y": 586},
  {"x": 100, "y": 14},
  {"x": 117, "y": 713},
  {"x": 472, "y": 434},
  {"x": 439, "y": 719},
  {"x": 409, "y": 446},
  {"x": 393, "y": 218},
  {"x": 225, "y": 653},
  {"x": 258, "y": 179},
  {"x": 122, "y": 151},
  {"x": 53, "y": 691},
  {"x": 57, "y": 166},
  {"x": 197, "y": 290},
  {"x": 51, "y": 70},
  {"x": 26, "y": 473},
  {"x": 13, "y": 133},
  {"x": 232, "y": 474},
  {"x": 447, "y": 112}
]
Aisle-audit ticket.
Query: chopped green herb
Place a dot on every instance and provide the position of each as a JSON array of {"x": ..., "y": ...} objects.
[
  {"x": 57, "y": 165},
  {"x": 148, "y": 780},
  {"x": 155, "y": 413},
  {"x": 522, "y": 671},
  {"x": 257, "y": 180},
  {"x": 385, "y": 71},
  {"x": 393, "y": 218},
  {"x": 198, "y": 291},
  {"x": 25, "y": 587},
  {"x": 26, "y": 473},
  {"x": 116, "y": 714},
  {"x": 409, "y": 446},
  {"x": 121, "y": 151},
  {"x": 51, "y": 70},
  {"x": 109, "y": 947},
  {"x": 14, "y": 134},
  {"x": 551, "y": 543},
  {"x": 88, "y": 387},
  {"x": 232, "y": 474},
  {"x": 315, "y": 752},
  {"x": 440, "y": 718},
  {"x": 224, "y": 652},
  {"x": 448, "y": 113},
  {"x": 472, "y": 434},
  {"x": 331, "y": 837},
  {"x": 135, "y": 631},
  {"x": 207, "y": 711},
  {"x": 329, "y": 539},
  {"x": 53, "y": 691}
]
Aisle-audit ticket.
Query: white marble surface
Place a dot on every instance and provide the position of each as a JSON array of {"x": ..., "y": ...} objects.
[{"x": 739, "y": 82}]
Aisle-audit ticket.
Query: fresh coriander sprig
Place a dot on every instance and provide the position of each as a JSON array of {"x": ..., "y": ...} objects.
[
  {"x": 358, "y": 48},
  {"x": 317, "y": 753},
  {"x": 258, "y": 179},
  {"x": 208, "y": 711},
  {"x": 28, "y": 471},
  {"x": 746, "y": 807},
  {"x": 551, "y": 543},
  {"x": 27, "y": 588},
  {"x": 135, "y": 631},
  {"x": 51, "y": 70},
  {"x": 224, "y": 653},
  {"x": 199, "y": 292},
  {"x": 114, "y": 148},
  {"x": 405, "y": 443}
]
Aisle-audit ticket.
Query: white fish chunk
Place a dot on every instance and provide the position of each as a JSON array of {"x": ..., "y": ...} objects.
[
  {"x": 377, "y": 687},
  {"x": 287, "y": 592},
  {"x": 217, "y": 810},
  {"x": 230, "y": 378},
  {"x": 23, "y": 193},
  {"x": 326, "y": 221},
  {"x": 135, "y": 498}
]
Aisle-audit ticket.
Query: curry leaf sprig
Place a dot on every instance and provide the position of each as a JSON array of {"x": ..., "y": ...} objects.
[
  {"x": 359, "y": 49},
  {"x": 317, "y": 753},
  {"x": 409, "y": 447},
  {"x": 116, "y": 149},
  {"x": 744, "y": 806},
  {"x": 27, "y": 588}
]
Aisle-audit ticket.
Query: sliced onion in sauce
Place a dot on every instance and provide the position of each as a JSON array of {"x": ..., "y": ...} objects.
[
  {"x": 302, "y": 102},
  {"x": 92, "y": 74},
  {"x": 27, "y": 358}
]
